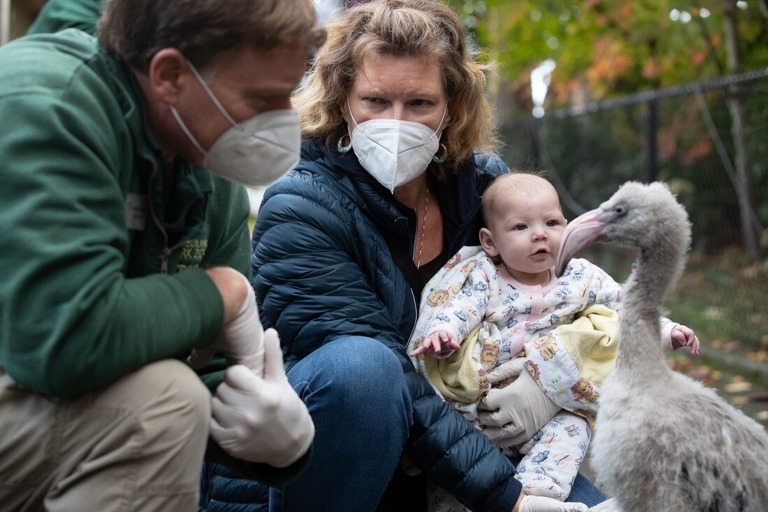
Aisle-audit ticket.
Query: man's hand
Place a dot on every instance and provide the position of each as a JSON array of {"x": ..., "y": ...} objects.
[
  {"x": 261, "y": 419},
  {"x": 513, "y": 414},
  {"x": 241, "y": 338}
]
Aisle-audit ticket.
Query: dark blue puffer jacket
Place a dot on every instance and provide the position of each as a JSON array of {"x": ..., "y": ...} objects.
[
  {"x": 221, "y": 490},
  {"x": 322, "y": 269}
]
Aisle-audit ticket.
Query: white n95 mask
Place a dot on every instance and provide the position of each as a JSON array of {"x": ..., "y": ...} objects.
[
  {"x": 256, "y": 152},
  {"x": 394, "y": 152}
]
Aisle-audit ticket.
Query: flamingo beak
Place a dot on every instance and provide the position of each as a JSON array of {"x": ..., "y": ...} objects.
[{"x": 579, "y": 233}]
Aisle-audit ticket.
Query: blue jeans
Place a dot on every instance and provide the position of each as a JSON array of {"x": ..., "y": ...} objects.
[
  {"x": 357, "y": 396},
  {"x": 356, "y": 393},
  {"x": 583, "y": 491}
]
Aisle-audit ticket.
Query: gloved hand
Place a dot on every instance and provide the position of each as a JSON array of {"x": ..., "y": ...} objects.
[
  {"x": 609, "y": 505},
  {"x": 544, "y": 504},
  {"x": 241, "y": 339},
  {"x": 513, "y": 414},
  {"x": 261, "y": 419}
]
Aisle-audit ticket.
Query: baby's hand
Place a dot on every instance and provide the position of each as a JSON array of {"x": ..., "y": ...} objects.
[
  {"x": 683, "y": 336},
  {"x": 440, "y": 344}
]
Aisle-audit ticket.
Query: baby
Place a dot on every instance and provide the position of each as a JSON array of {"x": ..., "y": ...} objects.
[{"x": 500, "y": 306}]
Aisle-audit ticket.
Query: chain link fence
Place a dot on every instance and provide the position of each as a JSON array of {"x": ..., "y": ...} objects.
[
  {"x": 709, "y": 142},
  {"x": 682, "y": 135}
]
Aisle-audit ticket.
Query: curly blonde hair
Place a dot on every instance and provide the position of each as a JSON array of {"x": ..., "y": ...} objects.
[{"x": 400, "y": 28}]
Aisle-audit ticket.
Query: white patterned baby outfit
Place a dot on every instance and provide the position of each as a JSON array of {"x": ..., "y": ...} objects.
[{"x": 568, "y": 332}]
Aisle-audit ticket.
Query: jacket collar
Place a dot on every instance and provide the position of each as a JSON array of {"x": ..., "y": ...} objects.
[
  {"x": 458, "y": 207},
  {"x": 190, "y": 186}
]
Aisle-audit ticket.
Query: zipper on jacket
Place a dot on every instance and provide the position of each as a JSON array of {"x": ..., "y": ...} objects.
[
  {"x": 165, "y": 254},
  {"x": 416, "y": 300},
  {"x": 416, "y": 316}
]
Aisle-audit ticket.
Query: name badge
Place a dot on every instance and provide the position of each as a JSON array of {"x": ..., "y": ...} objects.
[{"x": 136, "y": 211}]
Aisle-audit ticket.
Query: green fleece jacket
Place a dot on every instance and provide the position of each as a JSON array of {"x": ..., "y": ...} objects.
[
  {"x": 103, "y": 242},
  {"x": 97, "y": 226}
]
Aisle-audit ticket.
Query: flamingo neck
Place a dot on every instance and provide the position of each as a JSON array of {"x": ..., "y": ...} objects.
[{"x": 641, "y": 352}]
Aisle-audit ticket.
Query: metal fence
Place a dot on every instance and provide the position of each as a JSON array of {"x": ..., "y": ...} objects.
[{"x": 684, "y": 136}]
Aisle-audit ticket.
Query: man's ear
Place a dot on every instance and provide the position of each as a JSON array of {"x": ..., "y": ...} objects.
[
  {"x": 486, "y": 240},
  {"x": 166, "y": 69}
]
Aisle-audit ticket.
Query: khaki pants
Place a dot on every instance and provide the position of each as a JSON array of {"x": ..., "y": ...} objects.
[{"x": 137, "y": 445}]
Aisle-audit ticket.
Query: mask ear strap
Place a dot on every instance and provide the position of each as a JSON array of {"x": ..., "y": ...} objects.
[
  {"x": 186, "y": 131},
  {"x": 210, "y": 94},
  {"x": 442, "y": 151},
  {"x": 442, "y": 118},
  {"x": 351, "y": 114}
]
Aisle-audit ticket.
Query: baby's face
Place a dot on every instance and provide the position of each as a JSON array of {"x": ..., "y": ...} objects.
[{"x": 526, "y": 231}]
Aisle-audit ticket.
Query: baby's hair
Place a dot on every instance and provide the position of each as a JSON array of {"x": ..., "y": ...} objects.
[{"x": 516, "y": 181}]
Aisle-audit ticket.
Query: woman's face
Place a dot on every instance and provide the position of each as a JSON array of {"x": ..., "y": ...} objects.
[{"x": 402, "y": 88}]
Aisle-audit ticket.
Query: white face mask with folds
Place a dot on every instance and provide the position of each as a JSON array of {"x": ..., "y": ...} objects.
[
  {"x": 394, "y": 152},
  {"x": 256, "y": 152}
]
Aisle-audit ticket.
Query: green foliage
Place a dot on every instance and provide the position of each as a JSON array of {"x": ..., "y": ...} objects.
[
  {"x": 590, "y": 155},
  {"x": 615, "y": 48}
]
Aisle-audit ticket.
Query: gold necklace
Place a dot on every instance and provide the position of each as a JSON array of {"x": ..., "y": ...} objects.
[{"x": 423, "y": 230}]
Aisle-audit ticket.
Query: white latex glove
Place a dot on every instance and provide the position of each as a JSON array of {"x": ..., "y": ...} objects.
[
  {"x": 241, "y": 339},
  {"x": 544, "y": 504},
  {"x": 513, "y": 414},
  {"x": 609, "y": 505},
  {"x": 261, "y": 419}
]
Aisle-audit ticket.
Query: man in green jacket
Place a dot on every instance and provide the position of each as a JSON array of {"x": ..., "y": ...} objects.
[{"x": 124, "y": 251}]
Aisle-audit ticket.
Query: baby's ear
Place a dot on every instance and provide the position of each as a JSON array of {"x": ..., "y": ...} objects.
[{"x": 486, "y": 240}]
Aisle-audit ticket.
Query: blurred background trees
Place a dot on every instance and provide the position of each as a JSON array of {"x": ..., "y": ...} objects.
[
  {"x": 605, "y": 49},
  {"x": 569, "y": 59}
]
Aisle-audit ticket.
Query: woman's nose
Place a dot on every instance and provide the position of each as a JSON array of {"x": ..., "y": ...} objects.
[{"x": 398, "y": 112}]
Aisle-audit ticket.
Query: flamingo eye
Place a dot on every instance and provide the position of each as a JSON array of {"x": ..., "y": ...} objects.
[{"x": 619, "y": 209}]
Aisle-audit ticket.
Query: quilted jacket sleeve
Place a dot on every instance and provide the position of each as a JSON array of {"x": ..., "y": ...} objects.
[{"x": 221, "y": 490}]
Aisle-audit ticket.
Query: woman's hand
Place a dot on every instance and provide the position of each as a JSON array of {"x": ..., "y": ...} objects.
[
  {"x": 528, "y": 503},
  {"x": 513, "y": 414}
]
